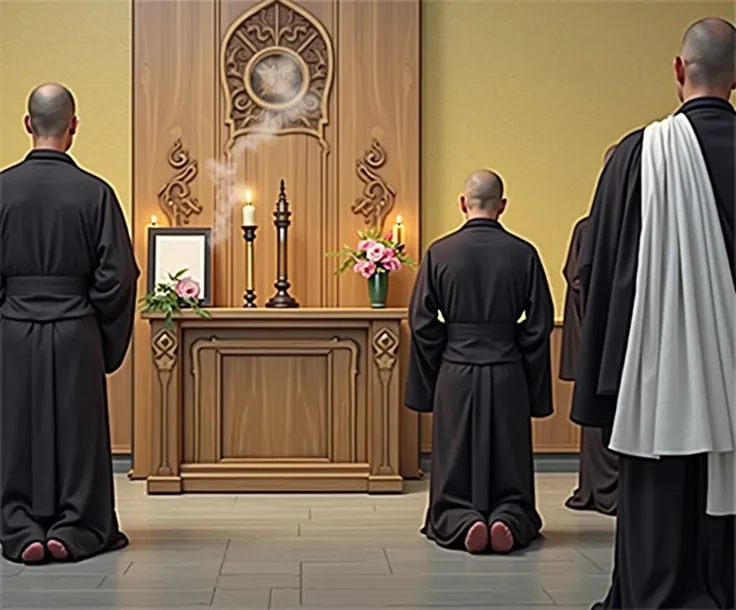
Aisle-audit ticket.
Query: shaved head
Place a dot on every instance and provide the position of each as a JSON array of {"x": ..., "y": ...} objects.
[
  {"x": 708, "y": 49},
  {"x": 483, "y": 191},
  {"x": 51, "y": 108}
]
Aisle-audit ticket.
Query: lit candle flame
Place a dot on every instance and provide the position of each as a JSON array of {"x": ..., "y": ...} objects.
[
  {"x": 248, "y": 197},
  {"x": 398, "y": 219},
  {"x": 154, "y": 220}
]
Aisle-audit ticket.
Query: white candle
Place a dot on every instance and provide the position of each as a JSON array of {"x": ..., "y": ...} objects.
[
  {"x": 249, "y": 211},
  {"x": 398, "y": 231},
  {"x": 249, "y": 215}
]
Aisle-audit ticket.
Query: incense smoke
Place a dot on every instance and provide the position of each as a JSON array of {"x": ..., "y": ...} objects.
[{"x": 224, "y": 172}]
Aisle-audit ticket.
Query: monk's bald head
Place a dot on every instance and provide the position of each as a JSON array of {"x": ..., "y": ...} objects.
[
  {"x": 483, "y": 192},
  {"x": 51, "y": 109},
  {"x": 708, "y": 54}
]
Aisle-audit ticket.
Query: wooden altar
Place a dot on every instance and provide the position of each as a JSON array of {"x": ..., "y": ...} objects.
[{"x": 264, "y": 400}]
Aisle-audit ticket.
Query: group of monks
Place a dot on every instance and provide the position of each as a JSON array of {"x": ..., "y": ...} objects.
[{"x": 649, "y": 340}]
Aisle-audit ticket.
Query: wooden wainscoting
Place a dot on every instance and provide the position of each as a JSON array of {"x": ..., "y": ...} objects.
[
  {"x": 350, "y": 161},
  {"x": 555, "y": 434},
  {"x": 120, "y": 407}
]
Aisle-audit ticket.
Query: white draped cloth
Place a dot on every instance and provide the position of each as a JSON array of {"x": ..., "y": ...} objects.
[{"x": 679, "y": 377}]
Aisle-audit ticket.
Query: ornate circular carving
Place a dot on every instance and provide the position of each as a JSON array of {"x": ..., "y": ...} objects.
[{"x": 276, "y": 78}]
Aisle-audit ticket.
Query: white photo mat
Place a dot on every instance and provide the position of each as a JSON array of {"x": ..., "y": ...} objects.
[{"x": 172, "y": 250}]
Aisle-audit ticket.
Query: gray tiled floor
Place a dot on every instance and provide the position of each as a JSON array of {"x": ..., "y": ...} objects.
[{"x": 318, "y": 553}]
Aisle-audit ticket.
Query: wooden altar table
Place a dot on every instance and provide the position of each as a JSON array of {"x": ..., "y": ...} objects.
[{"x": 264, "y": 400}]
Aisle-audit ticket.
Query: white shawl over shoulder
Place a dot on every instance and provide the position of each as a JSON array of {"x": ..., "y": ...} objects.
[{"x": 679, "y": 376}]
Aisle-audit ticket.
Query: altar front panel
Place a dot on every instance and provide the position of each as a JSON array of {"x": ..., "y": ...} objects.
[
  {"x": 263, "y": 400},
  {"x": 256, "y": 395}
]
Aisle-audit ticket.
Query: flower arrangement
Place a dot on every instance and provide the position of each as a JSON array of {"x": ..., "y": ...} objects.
[
  {"x": 374, "y": 254},
  {"x": 170, "y": 297},
  {"x": 374, "y": 258}
]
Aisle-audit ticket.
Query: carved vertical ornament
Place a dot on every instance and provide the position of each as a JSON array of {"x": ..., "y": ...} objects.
[
  {"x": 175, "y": 197},
  {"x": 276, "y": 70},
  {"x": 378, "y": 196},
  {"x": 385, "y": 346},
  {"x": 165, "y": 346}
]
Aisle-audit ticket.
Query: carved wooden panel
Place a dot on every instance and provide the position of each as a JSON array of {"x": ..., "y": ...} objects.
[
  {"x": 248, "y": 93},
  {"x": 273, "y": 399}
]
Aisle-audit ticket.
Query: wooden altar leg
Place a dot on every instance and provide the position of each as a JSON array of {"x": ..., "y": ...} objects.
[
  {"x": 166, "y": 424},
  {"x": 385, "y": 404}
]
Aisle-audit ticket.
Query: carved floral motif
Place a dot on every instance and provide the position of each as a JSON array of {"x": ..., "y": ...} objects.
[
  {"x": 378, "y": 196},
  {"x": 277, "y": 70},
  {"x": 175, "y": 197}
]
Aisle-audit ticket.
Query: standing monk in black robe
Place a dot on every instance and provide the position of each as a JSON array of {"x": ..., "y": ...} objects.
[
  {"x": 483, "y": 373},
  {"x": 598, "y": 478},
  {"x": 674, "y": 548},
  {"x": 67, "y": 301}
]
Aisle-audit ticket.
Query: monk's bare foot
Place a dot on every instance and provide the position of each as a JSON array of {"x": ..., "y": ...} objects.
[
  {"x": 34, "y": 553},
  {"x": 502, "y": 540},
  {"x": 58, "y": 550},
  {"x": 476, "y": 541}
]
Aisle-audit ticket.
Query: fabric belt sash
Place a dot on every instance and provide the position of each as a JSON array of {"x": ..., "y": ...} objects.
[
  {"x": 57, "y": 285},
  {"x": 481, "y": 344}
]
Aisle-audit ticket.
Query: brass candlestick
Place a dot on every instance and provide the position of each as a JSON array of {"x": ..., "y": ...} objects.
[
  {"x": 282, "y": 298},
  {"x": 249, "y": 296}
]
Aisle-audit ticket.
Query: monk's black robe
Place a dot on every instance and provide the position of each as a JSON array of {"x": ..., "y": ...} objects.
[
  {"x": 484, "y": 374},
  {"x": 598, "y": 478},
  {"x": 669, "y": 552},
  {"x": 67, "y": 302}
]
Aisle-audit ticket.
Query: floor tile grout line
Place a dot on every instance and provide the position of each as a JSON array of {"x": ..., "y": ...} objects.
[
  {"x": 595, "y": 563},
  {"x": 270, "y": 599},
  {"x": 388, "y": 561},
  {"x": 223, "y": 560},
  {"x": 301, "y": 583},
  {"x": 552, "y": 599},
  {"x": 102, "y": 582},
  {"x": 130, "y": 565}
]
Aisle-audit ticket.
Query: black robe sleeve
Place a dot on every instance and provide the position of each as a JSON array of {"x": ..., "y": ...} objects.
[
  {"x": 2, "y": 289},
  {"x": 113, "y": 290},
  {"x": 572, "y": 321},
  {"x": 427, "y": 341},
  {"x": 608, "y": 263},
  {"x": 533, "y": 336}
]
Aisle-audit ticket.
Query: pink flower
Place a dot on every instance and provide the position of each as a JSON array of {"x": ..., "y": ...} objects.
[
  {"x": 376, "y": 252},
  {"x": 187, "y": 288},
  {"x": 366, "y": 244},
  {"x": 365, "y": 268},
  {"x": 391, "y": 264}
]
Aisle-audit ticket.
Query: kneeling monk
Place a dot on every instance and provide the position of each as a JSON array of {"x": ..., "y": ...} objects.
[{"x": 483, "y": 373}]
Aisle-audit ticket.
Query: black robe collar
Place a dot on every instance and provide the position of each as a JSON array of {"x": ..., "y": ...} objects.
[
  {"x": 46, "y": 154},
  {"x": 699, "y": 103},
  {"x": 482, "y": 222}
]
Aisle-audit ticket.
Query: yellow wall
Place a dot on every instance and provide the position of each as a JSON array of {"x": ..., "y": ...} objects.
[
  {"x": 86, "y": 45},
  {"x": 535, "y": 89}
]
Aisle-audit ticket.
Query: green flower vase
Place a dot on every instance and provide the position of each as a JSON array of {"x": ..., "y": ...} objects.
[{"x": 378, "y": 290}]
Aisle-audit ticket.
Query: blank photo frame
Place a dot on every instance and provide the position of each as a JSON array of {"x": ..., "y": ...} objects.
[{"x": 172, "y": 249}]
